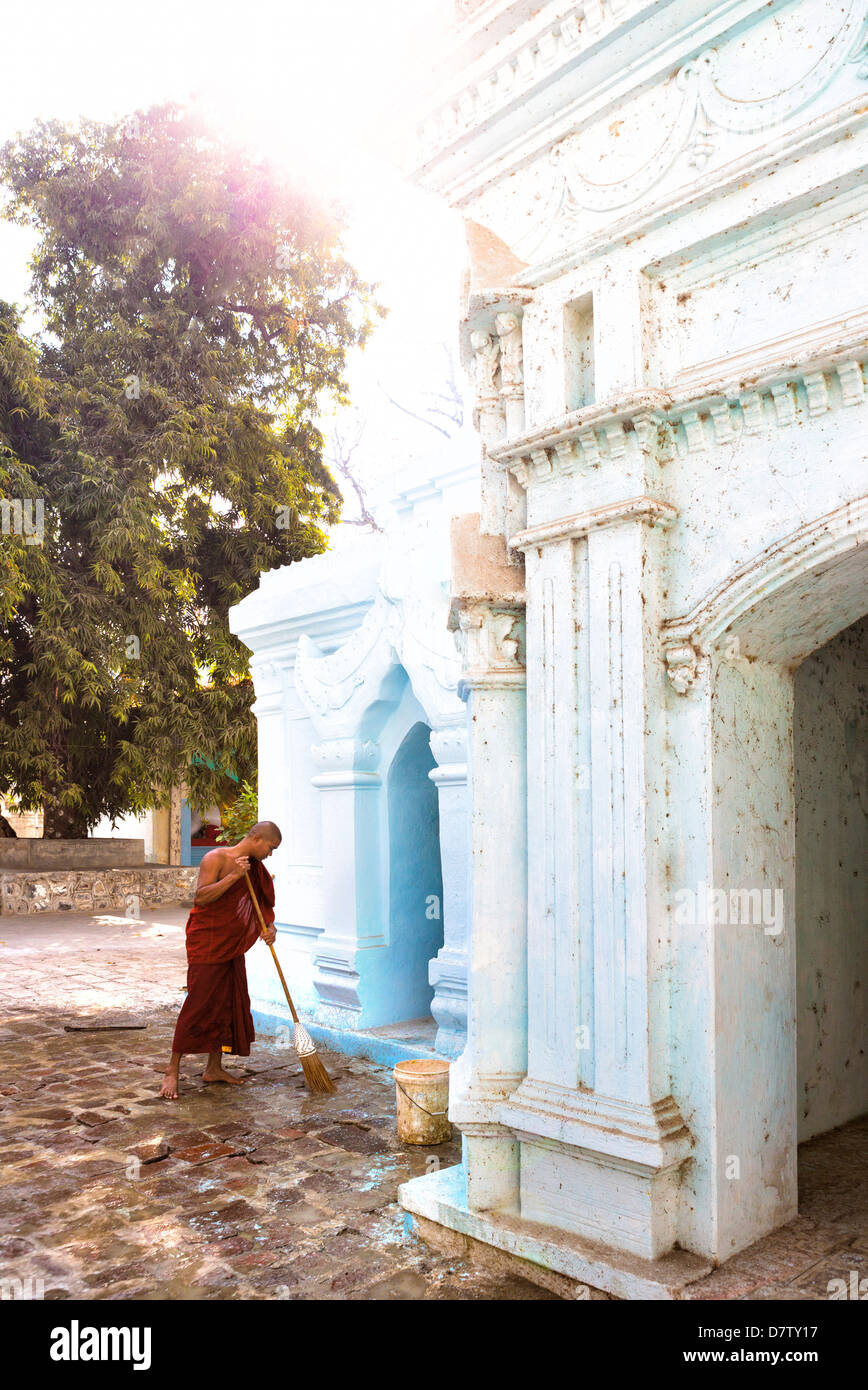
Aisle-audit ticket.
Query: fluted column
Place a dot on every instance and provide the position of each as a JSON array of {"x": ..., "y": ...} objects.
[
  {"x": 493, "y": 683},
  {"x": 601, "y": 1137}
]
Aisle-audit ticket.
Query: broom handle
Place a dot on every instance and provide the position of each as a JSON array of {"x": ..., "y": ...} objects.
[{"x": 271, "y": 948}]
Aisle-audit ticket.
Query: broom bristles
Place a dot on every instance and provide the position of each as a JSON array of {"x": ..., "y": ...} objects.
[{"x": 315, "y": 1074}]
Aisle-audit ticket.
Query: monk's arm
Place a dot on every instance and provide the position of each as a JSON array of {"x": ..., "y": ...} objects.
[{"x": 209, "y": 886}]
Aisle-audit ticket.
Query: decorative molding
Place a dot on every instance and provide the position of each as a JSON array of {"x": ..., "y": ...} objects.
[
  {"x": 346, "y": 762},
  {"x": 648, "y": 509},
  {"x": 707, "y": 407},
  {"x": 449, "y": 748},
  {"x": 821, "y": 345},
  {"x": 699, "y": 105},
  {"x": 842, "y": 123},
  {"x": 346, "y": 754},
  {"x": 746, "y": 116},
  {"x": 799, "y": 223},
  {"x": 266, "y": 669},
  {"x": 327, "y": 683},
  {"x": 811, "y": 548},
  {"x": 653, "y": 1135},
  {"x": 511, "y": 78},
  {"x": 574, "y": 193},
  {"x": 336, "y": 981},
  {"x": 420, "y": 635},
  {"x": 561, "y": 41},
  {"x": 406, "y": 628}
]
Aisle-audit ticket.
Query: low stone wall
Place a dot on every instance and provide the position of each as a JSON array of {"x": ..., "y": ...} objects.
[
  {"x": 96, "y": 890},
  {"x": 49, "y": 855}
]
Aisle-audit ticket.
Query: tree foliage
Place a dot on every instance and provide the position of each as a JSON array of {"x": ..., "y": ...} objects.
[
  {"x": 197, "y": 311},
  {"x": 240, "y": 817}
]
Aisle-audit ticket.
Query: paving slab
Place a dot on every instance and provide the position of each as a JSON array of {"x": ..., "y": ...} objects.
[{"x": 263, "y": 1191}]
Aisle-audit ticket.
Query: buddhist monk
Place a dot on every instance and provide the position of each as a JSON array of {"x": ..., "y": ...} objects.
[{"x": 223, "y": 925}]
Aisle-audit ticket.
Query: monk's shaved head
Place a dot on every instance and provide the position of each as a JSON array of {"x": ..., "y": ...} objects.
[{"x": 267, "y": 830}]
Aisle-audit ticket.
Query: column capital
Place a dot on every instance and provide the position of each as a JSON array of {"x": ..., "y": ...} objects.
[
  {"x": 650, "y": 510},
  {"x": 487, "y": 609},
  {"x": 491, "y": 636}
]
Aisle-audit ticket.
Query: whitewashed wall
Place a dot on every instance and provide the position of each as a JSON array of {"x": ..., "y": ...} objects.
[{"x": 672, "y": 203}]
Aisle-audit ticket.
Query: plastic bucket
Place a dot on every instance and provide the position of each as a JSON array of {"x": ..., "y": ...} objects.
[{"x": 422, "y": 1096}]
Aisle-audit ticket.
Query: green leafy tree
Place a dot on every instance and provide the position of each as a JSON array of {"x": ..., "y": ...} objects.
[
  {"x": 197, "y": 313},
  {"x": 240, "y": 817}
]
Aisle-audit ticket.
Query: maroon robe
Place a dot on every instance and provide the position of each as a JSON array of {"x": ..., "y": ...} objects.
[{"x": 216, "y": 1012}]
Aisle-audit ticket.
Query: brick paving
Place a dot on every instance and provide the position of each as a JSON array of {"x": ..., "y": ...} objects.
[
  {"x": 257, "y": 1191},
  {"x": 260, "y": 1191},
  {"x": 827, "y": 1240}
]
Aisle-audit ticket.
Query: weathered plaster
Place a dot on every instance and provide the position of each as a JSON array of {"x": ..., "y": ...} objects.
[
  {"x": 830, "y": 741},
  {"x": 677, "y": 196}
]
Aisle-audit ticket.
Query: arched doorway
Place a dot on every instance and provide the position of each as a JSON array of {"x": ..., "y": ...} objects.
[
  {"x": 830, "y": 757},
  {"x": 415, "y": 876},
  {"x": 781, "y": 881}
]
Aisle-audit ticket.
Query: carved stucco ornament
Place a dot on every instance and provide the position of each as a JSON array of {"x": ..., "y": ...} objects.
[
  {"x": 486, "y": 361},
  {"x": 681, "y": 666},
  {"x": 328, "y": 682},
  {"x": 405, "y": 628},
  {"x": 508, "y": 328},
  {"x": 690, "y": 110},
  {"x": 491, "y": 640}
]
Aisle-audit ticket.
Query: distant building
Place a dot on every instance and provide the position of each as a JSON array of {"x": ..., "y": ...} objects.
[{"x": 363, "y": 764}]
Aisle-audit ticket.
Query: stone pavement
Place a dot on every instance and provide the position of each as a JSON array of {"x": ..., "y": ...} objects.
[
  {"x": 254, "y": 1191},
  {"x": 262, "y": 1190}
]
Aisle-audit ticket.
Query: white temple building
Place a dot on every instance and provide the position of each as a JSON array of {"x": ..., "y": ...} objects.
[
  {"x": 363, "y": 764},
  {"x": 648, "y": 743}
]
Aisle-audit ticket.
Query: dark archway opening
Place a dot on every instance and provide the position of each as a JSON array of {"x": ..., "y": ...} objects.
[
  {"x": 415, "y": 879},
  {"x": 830, "y": 756}
]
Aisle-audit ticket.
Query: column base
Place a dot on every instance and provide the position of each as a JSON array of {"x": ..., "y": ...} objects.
[
  {"x": 625, "y": 1205},
  {"x": 448, "y": 974},
  {"x": 492, "y": 1159},
  {"x": 602, "y": 1168},
  {"x": 441, "y": 1198},
  {"x": 336, "y": 982}
]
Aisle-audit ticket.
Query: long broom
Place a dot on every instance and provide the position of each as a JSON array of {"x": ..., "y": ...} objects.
[{"x": 315, "y": 1074}]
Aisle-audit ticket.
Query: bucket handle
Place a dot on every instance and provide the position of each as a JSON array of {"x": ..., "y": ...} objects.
[{"x": 435, "y": 1114}]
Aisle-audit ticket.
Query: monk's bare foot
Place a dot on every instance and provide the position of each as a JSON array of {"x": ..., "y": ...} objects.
[
  {"x": 169, "y": 1088},
  {"x": 218, "y": 1074}
]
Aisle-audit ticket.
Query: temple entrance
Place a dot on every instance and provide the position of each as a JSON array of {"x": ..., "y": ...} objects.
[
  {"x": 415, "y": 885},
  {"x": 830, "y": 756},
  {"x": 790, "y": 869}
]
